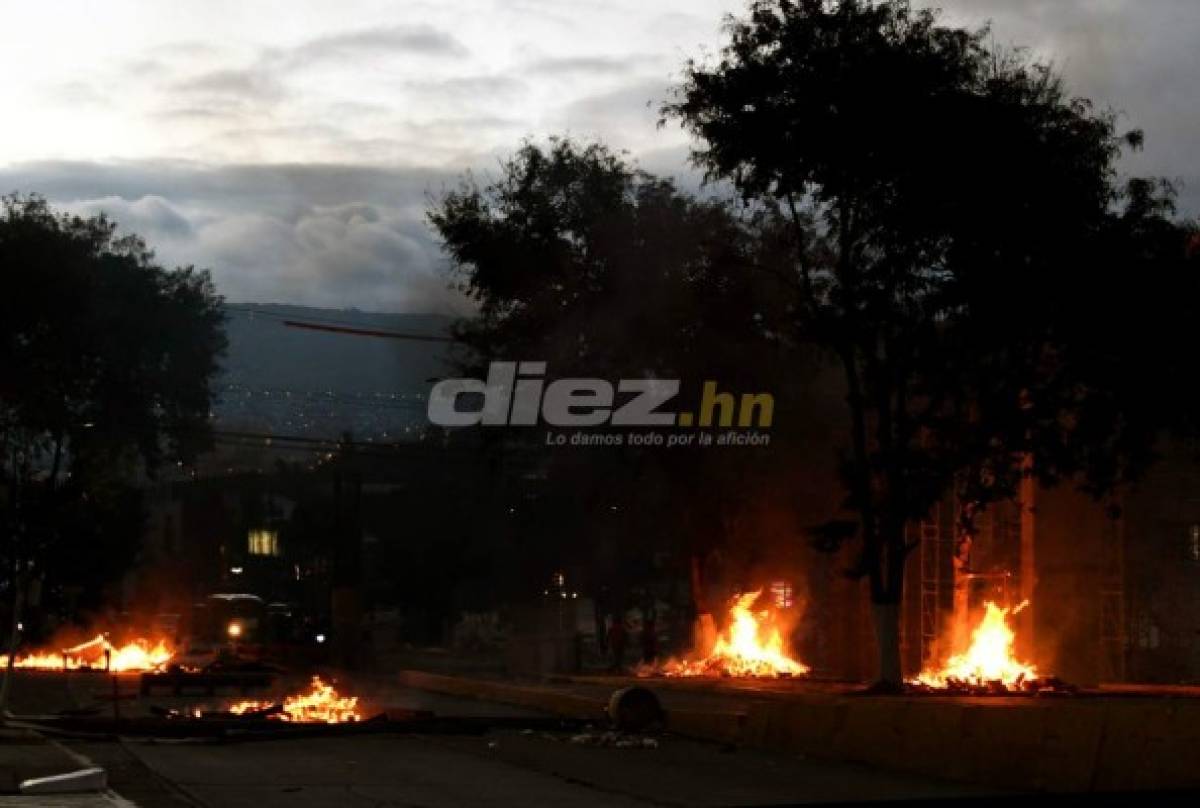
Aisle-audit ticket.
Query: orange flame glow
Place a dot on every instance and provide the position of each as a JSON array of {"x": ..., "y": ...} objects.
[
  {"x": 322, "y": 705},
  {"x": 751, "y": 645},
  {"x": 138, "y": 655},
  {"x": 988, "y": 661}
]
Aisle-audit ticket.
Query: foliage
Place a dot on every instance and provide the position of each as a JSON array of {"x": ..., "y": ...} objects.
[
  {"x": 578, "y": 258},
  {"x": 107, "y": 361},
  {"x": 573, "y": 254},
  {"x": 961, "y": 244}
]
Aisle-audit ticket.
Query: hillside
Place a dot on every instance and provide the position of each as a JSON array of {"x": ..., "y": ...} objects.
[{"x": 287, "y": 380}]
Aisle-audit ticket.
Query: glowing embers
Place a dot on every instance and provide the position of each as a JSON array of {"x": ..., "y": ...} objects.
[{"x": 321, "y": 705}]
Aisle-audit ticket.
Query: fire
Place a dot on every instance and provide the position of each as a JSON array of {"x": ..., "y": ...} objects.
[
  {"x": 322, "y": 705},
  {"x": 751, "y": 645},
  {"x": 138, "y": 655},
  {"x": 989, "y": 660}
]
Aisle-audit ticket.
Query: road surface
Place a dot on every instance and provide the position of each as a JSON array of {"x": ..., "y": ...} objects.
[{"x": 502, "y": 768}]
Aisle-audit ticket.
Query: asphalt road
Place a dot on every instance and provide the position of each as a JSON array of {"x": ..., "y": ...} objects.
[{"x": 499, "y": 769}]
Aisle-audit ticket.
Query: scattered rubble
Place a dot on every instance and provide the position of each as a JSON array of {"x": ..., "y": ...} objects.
[{"x": 615, "y": 739}]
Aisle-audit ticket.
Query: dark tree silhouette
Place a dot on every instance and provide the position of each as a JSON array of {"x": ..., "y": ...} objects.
[
  {"x": 107, "y": 355},
  {"x": 577, "y": 258},
  {"x": 107, "y": 361},
  {"x": 961, "y": 244}
]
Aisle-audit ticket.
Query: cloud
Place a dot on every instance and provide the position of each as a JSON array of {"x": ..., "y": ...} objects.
[
  {"x": 616, "y": 115},
  {"x": 185, "y": 48},
  {"x": 362, "y": 255},
  {"x": 1137, "y": 58},
  {"x": 314, "y": 99},
  {"x": 460, "y": 88},
  {"x": 149, "y": 216},
  {"x": 318, "y": 235},
  {"x": 593, "y": 65},
  {"x": 191, "y": 114},
  {"x": 249, "y": 85},
  {"x": 352, "y": 45},
  {"x": 77, "y": 94},
  {"x": 316, "y": 144}
]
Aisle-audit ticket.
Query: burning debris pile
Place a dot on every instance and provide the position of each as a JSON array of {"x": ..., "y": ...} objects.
[
  {"x": 751, "y": 646},
  {"x": 321, "y": 705},
  {"x": 988, "y": 666},
  {"x": 98, "y": 654}
]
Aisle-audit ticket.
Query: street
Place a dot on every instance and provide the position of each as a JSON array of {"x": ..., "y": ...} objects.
[{"x": 501, "y": 768}]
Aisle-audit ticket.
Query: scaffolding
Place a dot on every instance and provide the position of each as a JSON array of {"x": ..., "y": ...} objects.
[{"x": 931, "y": 579}]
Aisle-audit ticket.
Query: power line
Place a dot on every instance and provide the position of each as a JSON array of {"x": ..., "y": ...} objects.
[
  {"x": 234, "y": 396},
  {"x": 409, "y": 450},
  {"x": 365, "y": 332},
  {"x": 338, "y": 327}
]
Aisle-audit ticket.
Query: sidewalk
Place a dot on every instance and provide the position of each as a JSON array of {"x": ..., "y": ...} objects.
[{"x": 25, "y": 755}]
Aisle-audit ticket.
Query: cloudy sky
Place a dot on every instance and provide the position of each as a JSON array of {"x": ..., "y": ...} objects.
[{"x": 292, "y": 147}]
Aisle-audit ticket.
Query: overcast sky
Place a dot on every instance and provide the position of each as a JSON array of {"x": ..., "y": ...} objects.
[{"x": 292, "y": 146}]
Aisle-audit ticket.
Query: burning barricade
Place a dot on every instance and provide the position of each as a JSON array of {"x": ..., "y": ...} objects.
[
  {"x": 322, "y": 704},
  {"x": 97, "y": 654},
  {"x": 751, "y": 645},
  {"x": 989, "y": 664}
]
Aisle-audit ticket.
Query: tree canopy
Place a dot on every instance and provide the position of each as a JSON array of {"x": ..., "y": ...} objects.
[
  {"x": 104, "y": 350},
  {"x": 578, "y": 258},
  {"x": 108, "y": 359},
  {"x": 574, "y": 256},
  {"x": 964, "y": 246}
]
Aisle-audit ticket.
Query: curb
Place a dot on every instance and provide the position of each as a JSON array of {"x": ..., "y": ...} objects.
[{"x": 1058, "y": 745}]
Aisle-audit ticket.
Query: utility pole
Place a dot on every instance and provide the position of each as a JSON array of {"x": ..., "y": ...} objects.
[
  {"x": 346, "y": 583},
  {"x": 18, "y": 584},
  {"x": 1026, "y": 644}
]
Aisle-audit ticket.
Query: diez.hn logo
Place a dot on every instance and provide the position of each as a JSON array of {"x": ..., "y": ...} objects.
[{"x": 518, "y": 394}]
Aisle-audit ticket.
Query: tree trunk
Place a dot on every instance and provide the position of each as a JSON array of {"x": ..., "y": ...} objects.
[
  {"x": 886, "y": 598},
  {"x": 18, "y": 593},
  {"x": 57, "y": 464},
  {"x": 887, "y": 637},
  {"x": 13, "y": 638},
  {"x": 1026, "y": 645},
  {"x": 964, "y": 536}
]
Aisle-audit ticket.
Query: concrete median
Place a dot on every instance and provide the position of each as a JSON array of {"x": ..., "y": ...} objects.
[{"x": 1068, "y": 744}]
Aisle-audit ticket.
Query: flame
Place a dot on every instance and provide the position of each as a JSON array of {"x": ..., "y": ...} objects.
[
  {"x": 751, "y": 645},
  {"x": 988, "y": 661},
  {"x": 138, "y": 655},
  {"x": 322, "y": 705}
]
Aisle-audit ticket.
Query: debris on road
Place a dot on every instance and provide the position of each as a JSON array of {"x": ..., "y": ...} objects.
[
  {"x": 76, "y": 782},
  {"x": 617, "y": 740}
]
